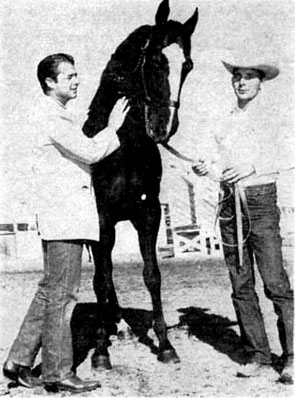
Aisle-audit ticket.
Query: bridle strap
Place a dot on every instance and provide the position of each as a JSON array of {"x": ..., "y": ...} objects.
[
  {"x": 174, "y": 104},
  {"x": 141, "y": 62}
]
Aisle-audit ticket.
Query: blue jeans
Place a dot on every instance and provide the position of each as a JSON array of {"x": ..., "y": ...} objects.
[
  {"x": 264, "y": 245},
  {"x": 47, "y": 321}
]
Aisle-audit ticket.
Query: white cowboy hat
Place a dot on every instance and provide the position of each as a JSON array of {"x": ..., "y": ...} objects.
[{"x": 270, "y": 71}]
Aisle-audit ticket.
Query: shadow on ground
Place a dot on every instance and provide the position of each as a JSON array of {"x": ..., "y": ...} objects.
[
  {"x": 217, "y": 331},
  {"x": 209, "y": 328},
  {"x": 213, "y": 329},
  {"x": 84, "y": 324}
]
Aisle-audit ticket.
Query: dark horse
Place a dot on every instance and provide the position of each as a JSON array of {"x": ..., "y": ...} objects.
[{"x": 127, "y": 182}]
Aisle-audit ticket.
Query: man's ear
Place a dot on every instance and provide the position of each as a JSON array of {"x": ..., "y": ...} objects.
[{"x": 50, "y": 82}]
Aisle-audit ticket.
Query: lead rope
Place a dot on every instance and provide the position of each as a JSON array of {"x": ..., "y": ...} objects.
[
  {"x": 240, "y": 201},
  {"x": 239, "y": 222}
]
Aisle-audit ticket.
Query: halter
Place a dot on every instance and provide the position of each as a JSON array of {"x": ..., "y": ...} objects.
[{"x": 186, "y": 68}]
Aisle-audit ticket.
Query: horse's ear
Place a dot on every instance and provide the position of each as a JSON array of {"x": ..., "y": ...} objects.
[
  {"x": 191, "y": 23},
  {"x": 162, "y": 12}
]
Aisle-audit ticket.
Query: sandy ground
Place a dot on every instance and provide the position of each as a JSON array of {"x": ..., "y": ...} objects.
[{"x": 202, "y": 328}]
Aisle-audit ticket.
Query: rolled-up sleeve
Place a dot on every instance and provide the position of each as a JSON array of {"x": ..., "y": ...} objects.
[{"x": 70, "y": 140}]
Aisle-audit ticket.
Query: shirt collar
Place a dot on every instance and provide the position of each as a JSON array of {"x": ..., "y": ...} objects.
[
  {"x": 255, "y": 108},
  {"x": 54, "y": 103},
  {"x": 50, "y": 105}
]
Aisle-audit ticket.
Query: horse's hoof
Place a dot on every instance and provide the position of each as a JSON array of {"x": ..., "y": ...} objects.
[
  {"x": 100, "y": 362},
  {"x": 168, "y": 356}
]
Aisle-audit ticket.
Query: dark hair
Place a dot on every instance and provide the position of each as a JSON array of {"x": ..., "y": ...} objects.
[{"x": 48, "y": 68}]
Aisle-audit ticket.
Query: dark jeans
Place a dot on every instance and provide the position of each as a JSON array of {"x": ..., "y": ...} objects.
[
  {"x": 264, "y": 244},
  {"x": 47, "y": 322}
]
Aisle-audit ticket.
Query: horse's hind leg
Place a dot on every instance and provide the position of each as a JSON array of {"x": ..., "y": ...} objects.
[
  {"x": 147, "y": 226},
  {"x": 107, "y": 302}
]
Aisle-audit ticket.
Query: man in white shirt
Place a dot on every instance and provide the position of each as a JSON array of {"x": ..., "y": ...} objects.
[
  {"x": 67, "y": 218},
  {"x": 247, "y": 166}
]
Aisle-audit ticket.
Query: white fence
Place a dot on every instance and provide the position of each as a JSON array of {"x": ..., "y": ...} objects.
[
  {"x": 180, "y": 234},
  {"x": 20, "y": 247}
]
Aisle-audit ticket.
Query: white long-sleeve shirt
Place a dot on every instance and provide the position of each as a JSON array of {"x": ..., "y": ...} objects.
[
  {"x": 64, "y": 198},
  {"x": 256, "y": 135}
]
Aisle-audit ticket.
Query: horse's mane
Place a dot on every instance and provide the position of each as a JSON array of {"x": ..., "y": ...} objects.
[
  {"x": 121, "y": 76},
  {"x": 128, "y": 52}
]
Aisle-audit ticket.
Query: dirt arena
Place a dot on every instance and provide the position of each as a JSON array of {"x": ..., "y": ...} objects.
[{"x": 202, "y": 328}]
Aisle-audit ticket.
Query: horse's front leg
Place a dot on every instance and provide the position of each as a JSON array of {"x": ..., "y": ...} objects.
[
  {"x": 147, "y": 225},
  {"x": 114, "y": 312},
  {"x": 107, "y": 302}
]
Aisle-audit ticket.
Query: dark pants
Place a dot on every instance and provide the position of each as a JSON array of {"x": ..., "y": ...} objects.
[
  {"x": 47, "y": 322},
  {"x": 264, "y": 245}
]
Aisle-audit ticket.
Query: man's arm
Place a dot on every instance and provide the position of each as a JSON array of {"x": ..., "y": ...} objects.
[{"x": 71, "y": 141}]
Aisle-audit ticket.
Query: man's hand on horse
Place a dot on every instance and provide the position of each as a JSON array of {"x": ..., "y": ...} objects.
[
  {"x": 118, "y": 114},
  {"x": 235, "y": 173}
]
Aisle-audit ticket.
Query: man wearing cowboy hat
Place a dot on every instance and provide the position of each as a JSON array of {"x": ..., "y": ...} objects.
[{"x": 248, "y": 162}]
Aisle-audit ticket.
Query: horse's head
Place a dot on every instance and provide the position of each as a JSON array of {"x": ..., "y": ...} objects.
[
  {"x": 169, "y": 45},
  {"x": 149, "y": 68}
]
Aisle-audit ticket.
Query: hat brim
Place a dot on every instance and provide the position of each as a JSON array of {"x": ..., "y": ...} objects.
[{"x": 269, "y": 71}]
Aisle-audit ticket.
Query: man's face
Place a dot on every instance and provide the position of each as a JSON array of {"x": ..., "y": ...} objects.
[
  {"x": 246, "y": 83},
  {"x": 66, "y": 85}
]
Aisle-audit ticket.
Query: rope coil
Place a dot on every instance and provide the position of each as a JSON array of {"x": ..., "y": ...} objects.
[{"x": 240, "y": 202}]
